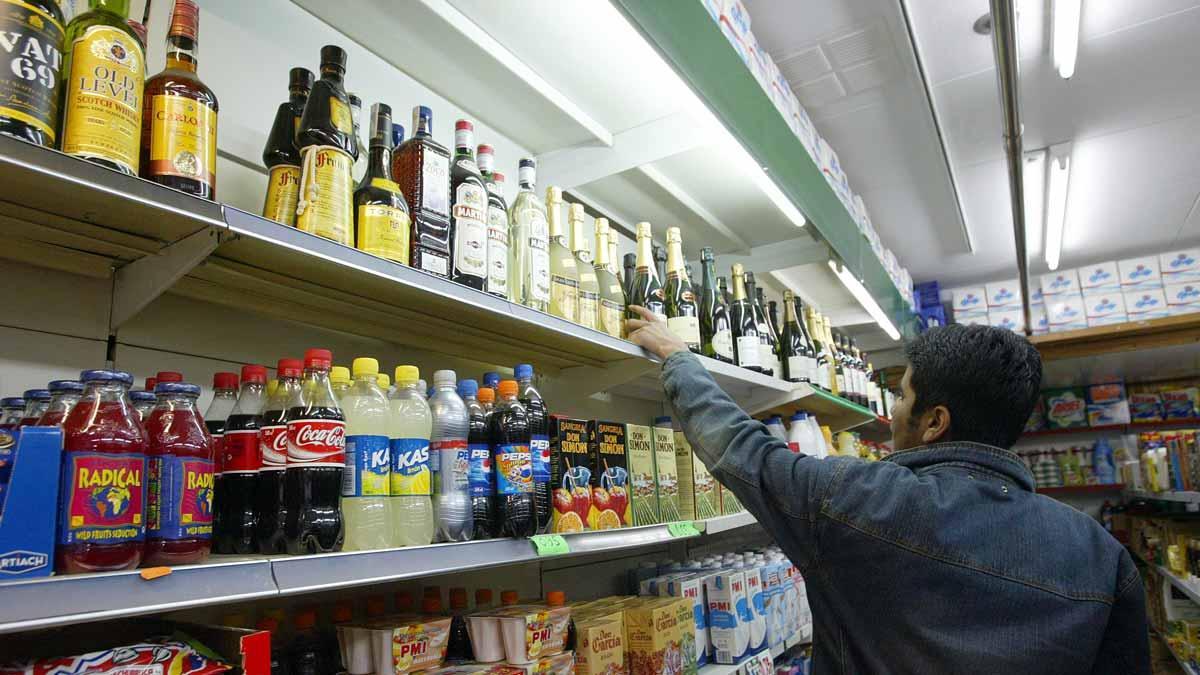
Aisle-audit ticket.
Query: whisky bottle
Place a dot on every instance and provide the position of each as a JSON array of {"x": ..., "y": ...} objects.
[
  {"x": 102, "y": 96},
  {"x": 325, "y": 139},
  {"x": 589, "y": 287},
  {"x": 564, "y": 278},
  {"x": 793, "y": 348},
  {"x": 468, "y": 211},
  {"x": 716, "y": 335},
  {"x": 497, "y": 222},
  {"x": 611, "y": 313},
  {"x": 646, "y": 291},
  {"x": 359, "y": 151},
  {"x": 381, "y": 222},
  {"x": 30, "y": 81},
  {"x": 766, "y": 340},
  {"x": 281, "y": 156},
  {"x": 682, "y": 314},
  {"x": 746, "y": 343},
  {"x": 179, "y": 115},
  {"x": 529, "y": 243},
  {"x": 421, "y": 166}
]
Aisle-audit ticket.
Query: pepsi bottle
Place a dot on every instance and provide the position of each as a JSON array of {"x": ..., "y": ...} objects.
[
  {"x": 480, "y": 482},
  {"x": 512, "y": 464},
  {"x": 272, "y": 443},
  {"x": 316, "y": 442},
  {"x": 240, "y": 465},
  {"x": 539, "y": 443}
]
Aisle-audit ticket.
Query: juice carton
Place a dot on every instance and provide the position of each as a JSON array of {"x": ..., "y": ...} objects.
[
  {"x": 1182, "y": 298},
  {"x": 1059, "y": 284},
  {"x": 1104, "y": 309},
  {"x": 530, "y": 632},
  {"x": 1065, "y": 408},
  {"x": 1140, "y": 273},
  {"x": 686, "y": 476},
  {"x": 691, "y": 587},
  {"x": 402, "y": 645},
  {"x": 639, "y": 443},
  {"x": 1107, "y": 404},
  {"x": 1065, "y": 312},
  {"x": 1099, "y": 279},
  {"x": 610, "y": 476},
  {"x": 1142, "y": 305},
  {"x": 666, "y": 473},
  {"x": 660, "y": 632},
  {"x": 1002, "y": 294},
  {"x": 704, "y": 487},
  {"x": 1181, "y": 266},
  {"x": 570, "y": 475},
  {"x": 730, "y": 503},
  {"x": 600, "y": 642}
]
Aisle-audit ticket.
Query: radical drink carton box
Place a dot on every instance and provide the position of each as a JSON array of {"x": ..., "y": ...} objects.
[{"x": 609, "y": 468}]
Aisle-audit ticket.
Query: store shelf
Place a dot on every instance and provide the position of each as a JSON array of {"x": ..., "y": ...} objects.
[
  {"x": 1131, "y": 428},
  {"x": 1187, "y": 666},
  {"x": 726, "y": 523},
  {"x": 833, "y": 411},
  {"x": 739, "y": 668},
  {"x": 1080, "y": 489},
  {"x": 1122, "y": 337},
  {"x": 1168, "y": 496},
  {"x": 878, "y": 429}
]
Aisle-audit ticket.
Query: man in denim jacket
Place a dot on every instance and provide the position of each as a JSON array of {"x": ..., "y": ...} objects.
[{"x": 940, "y": 558}]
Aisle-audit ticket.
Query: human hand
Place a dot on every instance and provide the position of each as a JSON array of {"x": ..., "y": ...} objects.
[{"x": 651, "y": 333}]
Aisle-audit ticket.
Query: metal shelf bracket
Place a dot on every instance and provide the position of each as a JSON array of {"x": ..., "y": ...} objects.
[{"x": 138, "y": 283}]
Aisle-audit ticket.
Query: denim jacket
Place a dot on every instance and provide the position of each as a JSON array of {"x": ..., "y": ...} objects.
[{"x": 939, "y": 559}]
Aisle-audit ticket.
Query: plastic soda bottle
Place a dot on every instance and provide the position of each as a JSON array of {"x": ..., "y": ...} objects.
[
  {"x": 339, "y": 379},
  {"x": 513, "y": 466},
  {"x": 411, "y": 480},
  {"x": 539, "y": 443},
  {"x": 304, "y": 656},
  {"x": 316, "y": 442},
  {"x": 240, "y": 464},
  {"x": 480, "y": 479},
  {"x": 458, "y": 644},
  {"x": 491, "y": 380},
  {"x": 449, "y": 440},
  {"x": 366, "y": 483},
  {"x": 487, "y": 399},
  {"x": 272, "y": 446},
  {"x": 36, "y": 403},
  {"x": 225, "y": 393},
  {"x": 102, "y": 496},
  {"x": 64, "y": 394},
  {"x": 179, "y": 493}
]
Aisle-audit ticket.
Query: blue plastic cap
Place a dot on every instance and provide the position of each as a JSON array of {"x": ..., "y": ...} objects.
[
  {"x": 397, "y": 134},
  {"x": 177, "y": 388},
  {"x": 663, "y": 421},
  {"x": 37, "y": 394},
  {"x": 468, "y": 388},
  {"x": 491, "y": 379},
  {"x": 105, "y": 376},
  {"x": 523, "y": 371},
  {"x": 65, "y": 385},
  {"x": 140, "y": 396},
  {"x": 798, "y": 417},
  {"x": 12, "y": 402}
]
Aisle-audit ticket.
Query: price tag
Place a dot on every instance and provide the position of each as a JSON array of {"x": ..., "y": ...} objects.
[
  {"x": 684, "y": 528},
  {"x": 550, "y": 544}
]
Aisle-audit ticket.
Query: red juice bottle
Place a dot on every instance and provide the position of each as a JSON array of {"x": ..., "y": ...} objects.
[
  {"x": 36, "y": 402},
  {"x": 102, "y": 496},
  {"x": 12, "y": 409},
  {"x": 165, "y": 376},
  {"x": 64, "y": 394},
  {"x": 179, "y": 493}
]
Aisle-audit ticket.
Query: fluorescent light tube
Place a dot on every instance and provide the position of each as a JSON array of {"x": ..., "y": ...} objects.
[
  {"x": 1033, "y": 177},
  {"x": 864, "y": 298},
  {"x": 1064, "y": 40},
  {"x": 1058, "y": 178}
]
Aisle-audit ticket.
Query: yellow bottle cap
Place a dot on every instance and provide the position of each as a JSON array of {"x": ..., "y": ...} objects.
[
  {"x": 365, "y": 366},
  {"x": 339, "y": 374},
  {"x": 383, "y": 381},
  {"x": 407, "y": 374},
  {"x": 271, "y": 387}
]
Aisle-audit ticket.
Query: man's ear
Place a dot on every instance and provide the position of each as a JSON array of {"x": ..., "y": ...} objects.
[{"x": 935, "y": 425}]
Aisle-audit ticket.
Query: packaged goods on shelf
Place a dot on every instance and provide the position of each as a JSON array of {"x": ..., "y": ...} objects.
[
  {"x": 1066, "y": 407},
  {"x": 1059, "y": 284},
  {"x": 1065, "y": 312},
  {"x": 1041, "y": 321},
  {"x": 1182, "y": 298},
  {"x": 642, "y": 495},
  {"x": 968, "y": 300},
  {"x": 609, "y": 465},
  {"x": 1104, "y": 309},
  {"x": 1009, "y": 319},
  {"x": 1107, "y": 404},
  {"x": 1140, "y": 274},
  {"x": 29, "y": 500},
  {"x": 1003, "y": 294},
  {"x": 1181, "y": 266},
  {"x": 666, "y": 472},
  {"x": 157, "y": 655},
  {"x": 1142, "y": 305},
  {"x": 1099, "y": 279}
]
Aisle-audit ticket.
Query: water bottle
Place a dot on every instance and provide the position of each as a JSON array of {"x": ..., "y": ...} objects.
[
  {"x": 480, "y": 478},
  {"x": 366, "y": 482},
  {"x": 408, "y": 441},
  {"x": 449, "y": 443},
  {"x": 539, "y": 443}
]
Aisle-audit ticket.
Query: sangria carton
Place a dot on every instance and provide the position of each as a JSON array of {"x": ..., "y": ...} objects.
[
  {"x": 666, "y": 472},
  {"x": 609, "y": 475},
  {"x": 729, "y": 615},
  {"x": 639, "y": 444},
  {"x": 703, "y": 486},
  {"x": 687, "y": 481},
  {"x": 570, "y": 475}
]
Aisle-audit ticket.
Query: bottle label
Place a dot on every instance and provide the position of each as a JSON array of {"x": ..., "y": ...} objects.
[
  {"x": 467, "y": 165},
  {"x": 470, "y": 229},
  {"x": 588, "y": 309},
  {"x": 841, "y": 383},
  {"x": 218, "y": 445},
  {"x": 564, "y": 297},
  {"x": 179, "y": 498},
  {"x": 686, "y": 328},
  {"x": 383, "y": 231},
  {"x": 368, "y": 467},
  {"x": 611, "y": 317},
  {"x": 183, "y": 138},
  {"x": 497, "y": 250},
  {"x": 455, "y": 466},
  {"x": 273, "y": 446},
  {"x": 434, "y": 264},
  {"x": 283, "y": 190},
  {"x": 316, "y": 443},
  {"x": 435, "y": 183},
  {"x": 766, "y": 357},
  {"x": 339, "y": 115},
  {"x": 539, "y": 456},
  {"x": 103, "y": 115},
  {"x": 479, "y": 477},
  {"x": 722, "y": 343},
  {"x": 30, "y": 66},
  {"x": 797, "y": 368},
  {"x": 514, "y": 469},
  {"x": 239, "y": 452},
  {"x": 327, "y": 195},
  {"x": 102, "y": 498},
  {"x": 747, "y": 351},
  {"x": 539, "y": 256},
  {"x": 410, "y": 467}
]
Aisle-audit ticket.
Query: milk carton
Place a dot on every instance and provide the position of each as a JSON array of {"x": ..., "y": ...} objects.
[
  {"x": 1146, "y": 304},
  {"x": 1065, "y": 313},
  {"x": 692, "y": 588},
  {"x": 758, "y": 606},
  {"x": 772, "y": 582},
  {"x": 1059, "y": 284},
  {"x": 1099, "y": 279},
  {"x": 1011, "y": 319},
  {"x": 1182, "y": 266},
  {"x": 728, "y": 615},
  {"x": 1140, "y": 273},
  {"x": 1003, "y": 294},
  {"x": 1182, "y": 298},
  {"x": 1104, "y": 309}
]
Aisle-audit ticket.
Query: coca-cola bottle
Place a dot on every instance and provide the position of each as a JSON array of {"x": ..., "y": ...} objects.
[
  {"x": 239, "y": 518},
  {"x": 272, "y": 444},
  {"x": 316, "y": 442},
  {"x": 225, "y": 389}
]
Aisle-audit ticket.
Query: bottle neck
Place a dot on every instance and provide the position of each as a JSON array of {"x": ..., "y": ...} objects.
[
  {"x": 298, "y": 96},
  {"x": 789, "y": 311},
  {"x": 675, "y": 261},
  {"x": 423, "y": 127},
  {"x": 118, "y": 7},
  {"x": 553, "y": 216},
  {"x": 380, "y": 162},
  {"x": 645, "y": 254},
  {"x": 181, "y": 53},
  {"x": 579, "y": 239},
  {"x": 709, "y": 271},
  {"x": 602, "y": 258},
  {"x": 739, "y": 288},
  {"x": 331, "y": 74}
]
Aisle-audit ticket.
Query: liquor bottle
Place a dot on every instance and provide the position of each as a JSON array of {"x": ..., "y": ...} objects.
[
  {"x": 860, "y": 366},
  {"x": 645, "y": 289},
  {"x": 810, "y": 348},
  {"x": 589, "y": 288},
  {"x": 723, "y": 287},
  {"x": 102, "y": 96},
  {"x": 746, "y": 343},
  {"x": 850, "y": 366},
  {"x": 564, "y": 278},
  {"x": 497, "y": 222},
  {"x": 360, "y": 157},
  {"x": 874, "y": 388},
  {"x": 614, "y": 262},
  {"x": 422, "y": 168},
  {"x": 611, "y": 313},
  {"x": 716, "y": 334},
  {"x": 281, "y": 156},
  {"x": 772, "y": 314},
  {"x": 839, "y": 372},
  {"x": 821, "y": 353},
  {"x": 29, "y": 87},
  {"x": 682, "y": 313},
  {"x": 629, "y": 263},
  {"x": 660, "y": 261},
  {"x": 468, "y": 212},
  {"x": 381, "y": 222},
  {"x": 766, "y": 340},
  {"x": 325, "y": 139},
  {"x": 529, "y": 243},
  {"x": 793, "y": 348}
]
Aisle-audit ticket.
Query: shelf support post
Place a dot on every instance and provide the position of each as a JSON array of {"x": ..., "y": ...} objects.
[{"x": 138, "y": 283}]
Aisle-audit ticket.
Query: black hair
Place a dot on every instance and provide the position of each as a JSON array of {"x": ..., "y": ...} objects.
[{"x": 987, "y": 377}]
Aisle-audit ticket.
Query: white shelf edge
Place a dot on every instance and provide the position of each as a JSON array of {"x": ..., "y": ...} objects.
[{"x": 1190, "y": 498}]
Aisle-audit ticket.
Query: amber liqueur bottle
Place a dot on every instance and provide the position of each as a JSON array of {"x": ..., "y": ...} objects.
[
  {"x": 421, "y": 166},
  {"x": 327, "y": 154},
  {"x": 30, "y": 69},
  {"x": 381, "y": 217},
  {"x": 281, "y": 156},
  {"x": 179, "y": 115}
]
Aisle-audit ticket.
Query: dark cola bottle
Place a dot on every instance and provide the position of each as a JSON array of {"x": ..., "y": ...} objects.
[
  {"x": 272, "y": 445},
  {"x": 316, "y": 439},
  {"x": 240, "y": 464},
  {"x": 512, "y": 464}
]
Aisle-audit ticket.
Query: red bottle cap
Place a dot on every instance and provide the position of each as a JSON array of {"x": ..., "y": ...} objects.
[
  {"x": 254, "y": 374},
  {"x": 320, "y": 359},
  {"x": 483, "y": 597},
  {"x": 268, "y": 623},
  {"x": 376, "y": 606},
  {"x": 484, "y": 148},
  {"x": 168, "y": 376},
  {"x": 464, "y": 124},
  {"x": 221, "y": 380},
  {"x": 305, "y": 619},
  {"x": 343, "y": 612},
  {"x": 150, "y": 383},
  {"x": 508, "y": 597},
  {"x": 508, "y": 388},
  {"x": 289, "y": 368},
  {"x": 556, "y": 598},
  {"x": 431, "y": 605},
  {"x": 404, "y": 601},
  {"x": 458, "y": 598},
  {"x": 497, "y": 177}
]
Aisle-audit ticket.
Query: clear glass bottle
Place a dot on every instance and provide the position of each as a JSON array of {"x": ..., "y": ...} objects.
[
  {"x": 528, "y": 243},
  {"x": 610, "y": 315},
  {"x": 589, "y": 288},
  {"x": 564, "y": 277}
]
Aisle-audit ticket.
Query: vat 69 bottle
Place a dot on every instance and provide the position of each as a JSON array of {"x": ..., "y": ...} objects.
[{"x": 31, "y": 62}]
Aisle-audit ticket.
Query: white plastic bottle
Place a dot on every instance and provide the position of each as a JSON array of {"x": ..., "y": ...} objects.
[
  {"x": 408, "y": 440},
  {"x": 366, "y": 482},
  {"x": 796, "y": 433},
  {"x": 449, "y": 442},
  {"x": 775, "y": 426}
]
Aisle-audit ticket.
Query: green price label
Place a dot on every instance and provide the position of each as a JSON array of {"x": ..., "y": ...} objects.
[
  {"x": 684, "y": 528},
  {"x": 550, "y": 544}
]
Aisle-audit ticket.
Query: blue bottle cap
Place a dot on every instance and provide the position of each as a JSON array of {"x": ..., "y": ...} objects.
[
  {"x": 141, "y": 396},
  {"x": 491, "y": 379},
  {"x": 106, "y": 376},
  {"x": 663, "y": 421},
  {"x": 37, "y": 394},
  {"x": 397, "y": 134},
  {"x": 798, "y": 417},
  {"x": 523, "y": 371},
  {"x": 468, "y": 388},
  {"x": 184, "y": 388},
  {"x": 65, "y": 385},
  {"x": 12, "y": 402}
]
